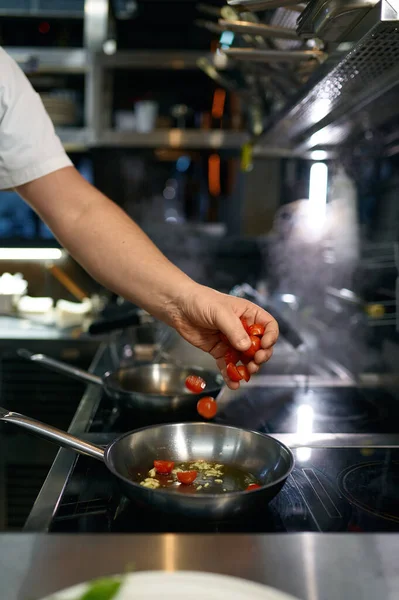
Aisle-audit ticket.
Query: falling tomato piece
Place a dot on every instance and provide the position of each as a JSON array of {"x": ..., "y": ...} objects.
[
  {"x": 187, "y": 477},
  {"x": 164, "y": 467},
  {"x": 207, "y": 407},
  {"x": 257, "y": 329},
  {"x": 243, "y": 371},
  {"x": 233, "y": 373},
  {"x": 195, "y": 384},
  {"x": 254, "y": 347},
  {"x": 253, "y": 486}
]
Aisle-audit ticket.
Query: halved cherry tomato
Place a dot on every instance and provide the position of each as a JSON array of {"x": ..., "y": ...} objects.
[
  {"x": 195, "y": 384},
  {"x": 164, "y": 467},
  {"x": 224, "y": 338},
  {"x": 252, "y": 486},
  {"x": 257, "y": 329},
  {"x": 245, "y": 324},
  {"x": 233, "y": 373},
  {"x": 207, "y": 407},
  {"x": 187, "y": 477},
  {"x": 243, "y": 371},
  {"x": 231, "y": 356},
  {"x": 254, "y": 347}
]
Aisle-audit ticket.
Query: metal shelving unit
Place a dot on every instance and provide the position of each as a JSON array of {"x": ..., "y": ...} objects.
[
  {"x": 50, "y": 60},
  {"x": 176, "y": 138},
  {"x": 97, "y": 68}
]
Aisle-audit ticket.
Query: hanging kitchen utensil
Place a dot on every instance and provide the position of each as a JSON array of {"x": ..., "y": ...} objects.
[
  {"x": 265, "y": 31},
  {"x": 209, "y": 25},
  {"x": 158, "y": 388},
  {"x": 206, "y": 9},
  {"x": 273, "y": 56},
  {"x": 257, "y": 5},
  {"x": 226, "y": 82},
  {"x": 133, "y": 453}
]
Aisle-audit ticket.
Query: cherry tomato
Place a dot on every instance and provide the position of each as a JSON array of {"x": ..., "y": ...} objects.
[
  {"x": 231, "y": 356},
  {"x": 254, "y": 347},
  {"x": 252, "y": 486},
  {"x": 245, "y": 324},
  {"x": 245, "y": 359},
  {"x": 224, "y": 338},
  {"x": 256, "y": 329},
  {"x": 187, "y": 477},
  {"x": 243, "y": 371},
  {"x": 207, "y": 407},
  {"x": 164, "y": 467},
  {"x": 195, "y": 384},
  {"x": 233, "y": 373}
]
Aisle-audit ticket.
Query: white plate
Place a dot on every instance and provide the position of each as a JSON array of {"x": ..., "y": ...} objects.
[{"x": 182, "y": 585}]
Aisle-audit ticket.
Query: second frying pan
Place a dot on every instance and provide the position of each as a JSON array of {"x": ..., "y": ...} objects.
[{"x": 156, "y": 387}]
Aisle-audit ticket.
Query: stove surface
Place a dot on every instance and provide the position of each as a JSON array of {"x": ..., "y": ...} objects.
[
  {"x": 278, "y": 410},
  {"x": 330, "y": 489}
]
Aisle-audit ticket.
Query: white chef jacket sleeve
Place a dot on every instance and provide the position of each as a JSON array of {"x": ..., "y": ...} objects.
[{"x": 29, "y": 146}]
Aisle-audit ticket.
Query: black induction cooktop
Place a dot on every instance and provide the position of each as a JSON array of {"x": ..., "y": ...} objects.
[{"x": 330, "y": 489}]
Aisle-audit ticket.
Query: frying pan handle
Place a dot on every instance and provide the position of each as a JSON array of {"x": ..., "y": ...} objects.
[
  {"x": 59, "y": 367},
  {"x": 108, "y": 325},
  {"x": 61, "y": 438}
]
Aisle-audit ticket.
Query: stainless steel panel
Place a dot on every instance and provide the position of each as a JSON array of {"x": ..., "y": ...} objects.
[
  {"x": 308, "y": 566},
  {"x": 332, "y": 20}
]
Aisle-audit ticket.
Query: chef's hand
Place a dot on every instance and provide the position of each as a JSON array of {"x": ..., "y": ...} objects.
[{"x": 202, "y": 313}]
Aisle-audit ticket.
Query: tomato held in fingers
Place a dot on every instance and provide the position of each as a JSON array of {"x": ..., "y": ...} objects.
[
  {"x": 195, "y": 384},
  {"x": 245, "y": 324},
  {"x": 164, "y": 467},
  {"x": 231, "y": 356},
  {"x": 243, "y": 371},
  {"x": 207, "y": 407},
  {"x": 233, "y": 373},
  {"x": 245, "y": 359},
  {"x": 187, "y": 477},
  {"x": 254, "y": 347},
  {"x": 253, "y": 486},
  {"x": 257, "y": 329}
]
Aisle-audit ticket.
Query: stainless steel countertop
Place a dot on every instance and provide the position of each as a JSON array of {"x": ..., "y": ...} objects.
[{"x": 309, "y": 566}]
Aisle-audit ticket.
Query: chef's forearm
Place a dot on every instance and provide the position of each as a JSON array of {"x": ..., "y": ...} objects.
[{"x": 106, "y": 242}]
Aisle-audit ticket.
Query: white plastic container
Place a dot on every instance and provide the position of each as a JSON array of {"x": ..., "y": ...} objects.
[
  {"x": 146, "y": 113},
  {"x": 12, "y": 288}
]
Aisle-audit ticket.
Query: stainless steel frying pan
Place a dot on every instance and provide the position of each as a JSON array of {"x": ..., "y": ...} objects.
[
  {"x": 266, "y": 458},
  {"x": 156, "y": 387}
]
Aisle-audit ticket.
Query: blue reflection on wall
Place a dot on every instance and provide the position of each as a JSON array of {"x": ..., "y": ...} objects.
[{"x": 18, "y": 220}]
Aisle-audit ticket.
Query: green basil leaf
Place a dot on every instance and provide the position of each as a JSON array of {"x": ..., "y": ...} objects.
[{"x": 102, "y": 589}]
